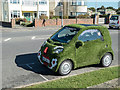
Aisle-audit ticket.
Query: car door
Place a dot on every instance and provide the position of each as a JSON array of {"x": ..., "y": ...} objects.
[{"x": 93, "y": 43}]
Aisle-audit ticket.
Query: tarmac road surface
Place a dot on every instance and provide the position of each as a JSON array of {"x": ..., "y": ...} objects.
[{"x": 19, "y": 62}]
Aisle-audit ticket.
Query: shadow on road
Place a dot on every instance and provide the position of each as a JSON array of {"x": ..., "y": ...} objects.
[
  {"x": 115, "y": 29},
  {"x": 93, "y": 65},
  {"x": 30, "y": 62}
]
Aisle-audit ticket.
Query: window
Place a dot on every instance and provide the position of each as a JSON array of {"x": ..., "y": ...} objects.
[
  {"x": 42, "y": 13},
  {"x": 42, "y": 2},
  {"x": 15, "y": 14},
  {"x": 14, "y": 1},
  {"x": 114, "y": 18},
  {"x": 59, "y": 3},
  {"x": 73, "y": 3},
  {"x": 76, "y": 2},
  {"x": 26, "y": 14},
  {"x": 60, "y": 13},
  {"x": 91, "y": 34},
  {"x": 73, "y": 13},
  {"x": 65, "y": 35}
]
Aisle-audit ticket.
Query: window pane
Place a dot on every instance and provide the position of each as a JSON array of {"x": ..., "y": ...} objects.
[
  {"x": 10, "y": 1},
  {"x": 18, "y": 1},
  {"x": 42, "y": 2},
  {"x": 43, "y": 13},
  {"x": 89, "y": 35},
  {"x": 14, "y": 1}
]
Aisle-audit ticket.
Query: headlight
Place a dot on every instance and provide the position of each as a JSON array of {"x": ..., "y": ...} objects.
[
  {"x": 58, "y": 50},
  {"x": 44, "y": 43}
]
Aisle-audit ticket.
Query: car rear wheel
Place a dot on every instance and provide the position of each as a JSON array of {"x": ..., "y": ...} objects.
[
  {"x": 106, "y": 60},
  {"x": 110, "y": 27},
  {"x": 65, "y": 67}
]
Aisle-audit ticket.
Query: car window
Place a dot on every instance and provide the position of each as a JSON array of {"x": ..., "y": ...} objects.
[
  {"x": 114, "y": 18},
  {"x": 66, "y": 32},
  {"x": 65, "y": 35},
  {"x": 91, "y": 34}
]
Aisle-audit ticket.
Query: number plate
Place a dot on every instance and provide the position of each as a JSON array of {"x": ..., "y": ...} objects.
[
  {"x": 113, "y": 25},
  {"x": 45, "y": 59}
]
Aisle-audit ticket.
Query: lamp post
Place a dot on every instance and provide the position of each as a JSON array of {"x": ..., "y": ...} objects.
[
  {"x": 62, "y": 14},
  {"x": 96, "y": 13},
  {"x": 76, "y": 10},
  {"x": 38, "y": 9}
]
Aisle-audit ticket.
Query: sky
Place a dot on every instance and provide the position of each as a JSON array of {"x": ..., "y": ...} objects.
[
  {"x": 99, "y": 3},
  {"x": 103, "y": 0}
]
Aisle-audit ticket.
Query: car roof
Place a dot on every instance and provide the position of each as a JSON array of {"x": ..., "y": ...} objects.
[
  {"x": 88, "y": 25},
  {"x": 82, "y": 25}
]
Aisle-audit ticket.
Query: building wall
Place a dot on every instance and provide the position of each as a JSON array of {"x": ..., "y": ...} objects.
[
  {"x": 28, "y": 6},
  {"x": 5, "y": 13},
  {"x": 52, "y": 6},
  {"x": 68, "y": 8},
  {"x": 54, "y": 22},
  {"x": 0, "y": 10},
  {"x": 14, "y": 7}
]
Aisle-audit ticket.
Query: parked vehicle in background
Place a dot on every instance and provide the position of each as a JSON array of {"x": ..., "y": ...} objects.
[{"x": 114, "y": 21}]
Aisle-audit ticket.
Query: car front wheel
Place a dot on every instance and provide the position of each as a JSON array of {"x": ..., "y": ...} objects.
[
  {"x": 106, "y": 60},
  {"x": 65, "y": 67}
]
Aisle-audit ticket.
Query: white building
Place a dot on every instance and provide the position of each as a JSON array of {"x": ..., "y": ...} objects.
[
  {"x": 24, "y": 8},
  {"x": 71, "y": 8}
]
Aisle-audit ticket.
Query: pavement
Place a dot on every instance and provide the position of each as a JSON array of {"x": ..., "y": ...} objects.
[{"x": 19, "y": 50}]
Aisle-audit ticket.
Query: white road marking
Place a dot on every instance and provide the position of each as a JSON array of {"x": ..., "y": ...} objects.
[
  {"x": 29, "y": 66},
  {"x": 26, "y": 64},
  {"x": 7, "y": 39},
  {"x": 44, "y": 77},
  {"x": 41, "y": 37},
  {"x": 33, "y": 37}
]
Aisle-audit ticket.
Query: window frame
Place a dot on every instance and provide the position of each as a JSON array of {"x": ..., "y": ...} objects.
[{"x": 15, "y": 1}]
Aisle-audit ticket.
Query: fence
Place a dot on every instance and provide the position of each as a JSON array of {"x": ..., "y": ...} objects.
[
  {"x": 8, "y": 24},
  {"x": 54, "y": 22}
]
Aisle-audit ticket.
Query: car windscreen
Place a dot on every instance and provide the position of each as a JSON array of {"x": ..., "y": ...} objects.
[
  {"x": 65, "y": 35},
  {"x": 114, "y": 18}
]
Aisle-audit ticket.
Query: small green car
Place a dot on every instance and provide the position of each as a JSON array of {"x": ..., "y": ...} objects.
[{"x": 75, "y": 46}]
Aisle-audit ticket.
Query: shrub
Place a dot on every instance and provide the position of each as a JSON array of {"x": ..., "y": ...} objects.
[
  {"x": 83, "y": 16},
  {"x": 17, "y": 20},
  {"x": 43, "y": 17},
  {"x": 24, "y": 20},
  {"x": 27, "y": 24},
  {"x": 54, "y": 17},
  {"x": 104, "y": 15},
  {"x": 65, "y": 17}
]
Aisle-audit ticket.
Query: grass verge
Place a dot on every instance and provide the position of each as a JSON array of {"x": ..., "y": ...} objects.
[{"x": 83, "y": 80}]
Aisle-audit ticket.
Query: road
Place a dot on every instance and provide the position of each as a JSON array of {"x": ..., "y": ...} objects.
[{"x": 19, "y": 62}]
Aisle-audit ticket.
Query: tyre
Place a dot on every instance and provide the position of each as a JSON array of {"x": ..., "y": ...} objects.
[
  {"x": 118, "y": 27},
  {"x": 106, "y": 60},
  {"x": 65, "y": 67},
  {"x": 110, "y": 27}
]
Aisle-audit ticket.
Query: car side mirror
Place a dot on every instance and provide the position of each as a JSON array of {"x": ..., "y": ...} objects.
[{"x": 79, "y": 43}]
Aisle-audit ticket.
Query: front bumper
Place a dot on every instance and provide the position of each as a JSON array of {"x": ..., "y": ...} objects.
[{"x": 51, "y": 64}]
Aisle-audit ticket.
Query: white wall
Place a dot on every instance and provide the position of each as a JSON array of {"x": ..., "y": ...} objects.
[{"x": 14, "y": 7}]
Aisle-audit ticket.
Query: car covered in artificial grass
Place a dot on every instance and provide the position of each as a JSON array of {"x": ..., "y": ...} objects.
[{"x": 76, "y": 45}]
